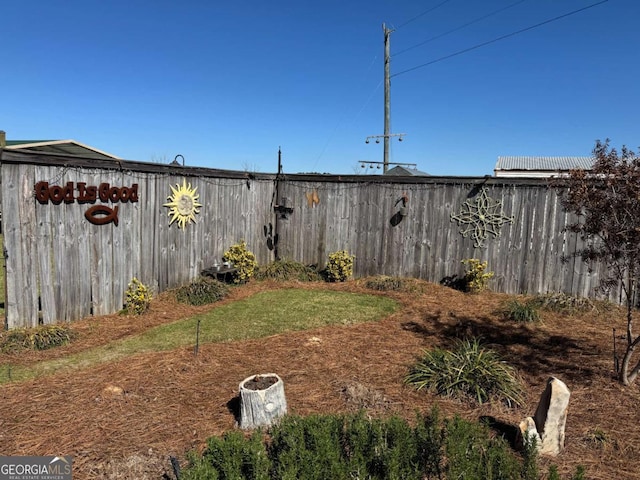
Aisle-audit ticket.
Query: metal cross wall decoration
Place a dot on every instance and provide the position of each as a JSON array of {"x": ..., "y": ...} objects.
[{"x": 480, "y": 217}]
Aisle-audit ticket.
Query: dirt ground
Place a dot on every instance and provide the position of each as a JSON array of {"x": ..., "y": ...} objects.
[{"x": 125, "y": 419}]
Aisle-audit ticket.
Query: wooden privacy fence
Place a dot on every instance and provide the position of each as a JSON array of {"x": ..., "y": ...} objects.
[{"x": 66, "y": 258}]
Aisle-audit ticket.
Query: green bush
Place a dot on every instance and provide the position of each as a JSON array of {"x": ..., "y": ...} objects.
[
  {"x": 340, "y": 266},
  {"x": 137, "y": 298},
  {"x": 283, "y": 270},
  {"x": 202, "y": 291},
  {"x": 243, "y": 260},
  {"x": 353, "y": 446},
  {"x": 38, "y": 338},
  {"x": 524, "y": 312},
  {"x": 469, "y": 371}
]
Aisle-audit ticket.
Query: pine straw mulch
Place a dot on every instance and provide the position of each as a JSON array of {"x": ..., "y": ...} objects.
[{"x": 124, "y": 419}]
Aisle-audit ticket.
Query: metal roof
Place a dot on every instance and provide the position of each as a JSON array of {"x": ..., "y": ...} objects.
[
  {"x": 410, "y": 172},
  {"x": 529, "y": 163},
  {"x": 63, "y": 147}
]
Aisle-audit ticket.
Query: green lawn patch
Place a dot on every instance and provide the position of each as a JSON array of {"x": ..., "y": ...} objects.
[{"x": 261, "y": 315}]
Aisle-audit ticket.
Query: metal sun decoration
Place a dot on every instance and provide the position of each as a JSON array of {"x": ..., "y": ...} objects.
[
  {"x": 183, "y": 204},
  {"x": 481, "y": 217}
]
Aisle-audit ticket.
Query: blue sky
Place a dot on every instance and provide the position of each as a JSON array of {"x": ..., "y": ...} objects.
[{"x": 226, "y": 83}]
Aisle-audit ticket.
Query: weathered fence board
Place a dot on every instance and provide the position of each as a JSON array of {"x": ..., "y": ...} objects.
[{"x": 61, "y": 267}]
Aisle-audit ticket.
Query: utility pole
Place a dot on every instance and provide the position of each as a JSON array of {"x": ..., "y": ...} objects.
[
  {"x": 387, "y": 104},
  {"x": 387, "y": 97}
]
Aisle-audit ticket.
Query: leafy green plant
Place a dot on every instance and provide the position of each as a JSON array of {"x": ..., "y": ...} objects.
[
  {"x": 340, "y": 266},
  {"x": 38, "y": 338},
  {"x": 243, "y": 260},
  {"x": 476, "y": 278},
  {"x": 523, "y": 312},
  {"x": 202, "y": 291},
  {"x": 283, "y": 270},
  {"x": 137, "y": 298},
  {"x": 468, "y": 371}
]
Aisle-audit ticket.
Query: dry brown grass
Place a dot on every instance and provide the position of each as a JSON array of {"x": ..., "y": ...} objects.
[{"x": 171, "y": 402}]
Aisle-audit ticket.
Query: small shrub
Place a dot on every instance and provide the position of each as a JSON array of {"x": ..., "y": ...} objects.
[
  {"x": 283, "y": 270},
  {"x": 469, "y": 371},
  {"x": 243, "y": 260},
  {"x": 472, "y": 453},
  {"x": 340, "y": 266},
  {"x": 307, "y": 448},
  {"x": 38, "y": 338},
  {"x": 553, "y": 473},
  {"x": 476, "y": 278},
  {"x": 385, "y": 284},
  {"x": 599, "y": 438},
  {"x": 202, "y": 291},
  {"x": 580, "y": 473},
  {"x": 232, "y": 456},
  {"x": 137, "y": 298},
  {"x": 430, "y": 438},
  {"x": 522, "y": 312},
  {"x": 530, "y": 459},
  {"x": 354, "y": 446},
  {"x": 562, "y": 303}
]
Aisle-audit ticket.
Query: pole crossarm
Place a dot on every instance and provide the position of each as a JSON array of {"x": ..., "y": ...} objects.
[
  {"x": 371, "y": 163},
  {"x": 389, "y": 135}
]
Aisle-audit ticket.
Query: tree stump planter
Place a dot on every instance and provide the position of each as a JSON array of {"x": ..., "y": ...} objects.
[{"x": 262, "y": 400}]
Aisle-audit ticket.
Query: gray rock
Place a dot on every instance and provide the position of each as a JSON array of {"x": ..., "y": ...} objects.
[{"x": 551, "y": 416}]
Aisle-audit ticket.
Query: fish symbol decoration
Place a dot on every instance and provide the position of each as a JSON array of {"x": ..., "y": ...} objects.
[{"x": 101, "y": 215}]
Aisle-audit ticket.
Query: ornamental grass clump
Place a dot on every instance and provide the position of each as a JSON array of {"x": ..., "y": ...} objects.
[
  {"x": 564, "y": 304},
  {"x": 38, "y": 338},
  {"x": 340, "y": 266},
  {"x": 468, "y": 371},
  {"x": 385, "y": 283},
  {"x": 137, "y": 298},
  {"x": 202, "y": 291},
  {"x": 284, "y": 270},
  {"x": 243, "y": 260},
  {"x": 522, "y": 312}
]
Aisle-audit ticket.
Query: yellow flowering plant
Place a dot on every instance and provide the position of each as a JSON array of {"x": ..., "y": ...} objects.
[
  {"x": 137, "y": 298},
  {"x": 243, "y": 260},
  {"x": 476, "y": 278},
  {"x": 340, "y": 266}
]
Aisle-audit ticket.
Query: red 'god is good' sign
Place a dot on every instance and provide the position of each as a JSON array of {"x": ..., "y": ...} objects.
[{"x": 83, "y": 193}]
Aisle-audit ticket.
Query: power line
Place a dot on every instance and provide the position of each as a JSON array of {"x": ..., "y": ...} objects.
[
  {"x": 340, "y": 121},
  {"x": 423, "y": 13},
  {"x": 499, "y": 38},
  {"x": 460, "y": 27}
]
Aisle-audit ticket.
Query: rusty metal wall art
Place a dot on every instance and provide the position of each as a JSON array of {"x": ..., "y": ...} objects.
[{"x": 100, "y": 214}]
